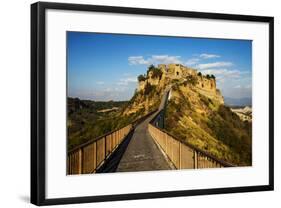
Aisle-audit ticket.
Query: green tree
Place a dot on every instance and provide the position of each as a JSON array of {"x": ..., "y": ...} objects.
[
  {"x": 141, "y": 78},
  {"x": 157, "y": 73},
  {"x": 151, "y": 67}
]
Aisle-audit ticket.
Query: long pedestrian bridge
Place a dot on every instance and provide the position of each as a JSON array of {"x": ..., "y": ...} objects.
[{"x": 140, "y": 146}]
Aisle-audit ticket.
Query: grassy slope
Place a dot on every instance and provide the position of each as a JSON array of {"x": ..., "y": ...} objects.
[
  {"x": 85, "y": 122},
  {"x": 208, "y": 125}
]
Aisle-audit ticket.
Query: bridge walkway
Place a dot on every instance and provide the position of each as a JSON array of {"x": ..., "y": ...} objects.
[{"x": 142, "y": 153}]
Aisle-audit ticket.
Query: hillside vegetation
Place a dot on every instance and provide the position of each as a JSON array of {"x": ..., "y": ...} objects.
[
  {"x": 86, "y": 121},
  {"x": 208, "y": 125}
]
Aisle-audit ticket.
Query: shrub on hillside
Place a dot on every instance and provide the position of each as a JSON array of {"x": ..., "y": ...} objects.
[
  {"x": 148, "y": 89},
  {"x": 191, "y": 79}
]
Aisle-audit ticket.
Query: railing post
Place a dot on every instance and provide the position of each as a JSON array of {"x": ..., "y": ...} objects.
[
  {"x": 195, "y": 160},
  {"x": 104, "y": 151},
  {"x": 180, "y": 155},
  {"x": 105, "y": 147},
  {"x": 165, "y": 142},
  {"x": 80, "y": 161},
  {"x": 95, "y": 156},
  {"x": 68, "y": 164},
  {"x": 110, "y": 143}
]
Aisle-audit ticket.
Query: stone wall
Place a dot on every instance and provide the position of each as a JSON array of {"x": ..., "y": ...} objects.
[
  {"x": 206, "y": 84},
  {"x": 177, "y": 71},
  {"x": 214, "y": 95}
]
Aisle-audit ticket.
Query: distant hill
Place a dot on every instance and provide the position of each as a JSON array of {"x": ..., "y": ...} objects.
[
  {"x": 246, "y": 101},
  {"x": 74, "y": 104},
  {"x": 87, "y": 119}
]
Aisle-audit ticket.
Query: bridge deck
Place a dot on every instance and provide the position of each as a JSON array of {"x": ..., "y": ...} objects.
[{"x": 142, "y": 154}]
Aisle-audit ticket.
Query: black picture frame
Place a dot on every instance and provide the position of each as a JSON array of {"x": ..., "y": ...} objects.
[{"x": 38, "y": 98}]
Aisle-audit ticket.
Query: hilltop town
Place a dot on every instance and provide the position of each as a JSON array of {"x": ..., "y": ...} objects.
[
  {"x": 205, "y": 84},
  {"x": 157, "y": 78}
]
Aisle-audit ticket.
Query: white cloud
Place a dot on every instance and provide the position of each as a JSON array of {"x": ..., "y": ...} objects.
[
  {"x": 207, "y": 56},
  {"x": 137, "y": 60},
  {"x": 166, "y": 59},
  {"x": 231, "y": 82},
  {"x": 192, "y": 61},
  {"x": 126, "y": 81},
  {"x": 223, "y": 75},
  {"x": 243, "y": 86},
  {"x": 100, "y": 82},
  {"x": 223, "y": 72},
  {"x": 214, "y": 65},
  {"x": 154, "y": 59}
]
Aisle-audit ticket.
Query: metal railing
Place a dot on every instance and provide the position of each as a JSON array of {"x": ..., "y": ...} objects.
[
  {"x": 88, "y": 157},
  {"x": 182, "y": 154}
]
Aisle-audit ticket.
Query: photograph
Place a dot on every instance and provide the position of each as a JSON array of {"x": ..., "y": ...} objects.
[
  {"x": 132, "y": 103},
  {"x": 149, "y": 103}
]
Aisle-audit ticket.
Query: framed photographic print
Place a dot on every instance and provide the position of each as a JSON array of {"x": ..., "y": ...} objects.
[{"x": 134, "y": 103}]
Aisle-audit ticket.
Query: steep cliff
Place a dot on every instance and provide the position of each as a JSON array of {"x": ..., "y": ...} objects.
[{"x": 204, "y": 121}]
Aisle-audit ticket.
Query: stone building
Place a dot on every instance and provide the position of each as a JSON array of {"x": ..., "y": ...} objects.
[
  {"x": 205, "y": 85},
  {"x": 176, "y": 71}
]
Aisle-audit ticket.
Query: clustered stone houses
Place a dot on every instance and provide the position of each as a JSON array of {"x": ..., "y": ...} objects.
[
  {"x": 178, "y": 71},
  {"x": 205, "y": 85}
]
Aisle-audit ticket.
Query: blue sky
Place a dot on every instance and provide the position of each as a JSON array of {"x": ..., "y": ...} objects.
[{"x": 105, "y": 67}]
